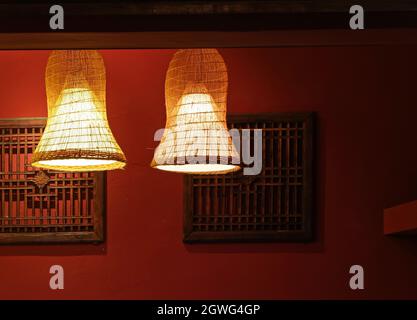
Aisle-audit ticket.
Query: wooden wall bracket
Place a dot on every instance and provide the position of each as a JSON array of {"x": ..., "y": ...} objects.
[{"x": 401, "y": 219}]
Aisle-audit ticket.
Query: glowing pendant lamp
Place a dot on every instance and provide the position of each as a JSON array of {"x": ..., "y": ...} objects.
[
  {"x": 196, "y": 139},
  {"x": 77, "y": 136}
]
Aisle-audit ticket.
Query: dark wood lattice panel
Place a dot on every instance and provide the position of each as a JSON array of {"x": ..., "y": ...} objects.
[
  {"x": 44, "y": 205},
  {"x": 275, "y": 205}
]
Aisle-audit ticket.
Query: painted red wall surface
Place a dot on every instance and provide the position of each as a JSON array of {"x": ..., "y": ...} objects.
[{"x": 366, "y": 104}]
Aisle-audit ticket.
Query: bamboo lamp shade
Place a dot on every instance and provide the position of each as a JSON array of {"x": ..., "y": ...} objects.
[
  {"x": 77, "y": 136},
  {"x": 196, "y": 139}
]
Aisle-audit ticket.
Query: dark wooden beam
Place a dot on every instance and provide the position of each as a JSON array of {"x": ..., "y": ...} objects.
[
  {"x": 164, "y": 16},
  {"x": 401, "y": 220},
  {"x": 149, "y": 40}
]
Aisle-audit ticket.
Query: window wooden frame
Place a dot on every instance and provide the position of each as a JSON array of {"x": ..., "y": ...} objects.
[
  {"x": 304, "y": 235},
  {"x": 66, "y": 233}
]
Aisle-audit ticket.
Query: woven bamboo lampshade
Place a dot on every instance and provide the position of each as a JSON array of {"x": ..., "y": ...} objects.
[
  {"x": 77, "y": 136},
  {"x": 196, "y": 139}
]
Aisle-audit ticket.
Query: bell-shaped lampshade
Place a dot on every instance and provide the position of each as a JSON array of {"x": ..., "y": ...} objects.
[
  {"x": 196, "y": 139},
  {"x": 77, "y": 136}
]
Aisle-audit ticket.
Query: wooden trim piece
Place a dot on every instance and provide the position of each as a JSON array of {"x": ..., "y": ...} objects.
[
  {"x": 162, "y": 40},
  {"x": 184, "y": 7},
  {"x": 131, "y": 16},
  {"x": 100, "y": 212},
  {"x": 401, "y": 219}
]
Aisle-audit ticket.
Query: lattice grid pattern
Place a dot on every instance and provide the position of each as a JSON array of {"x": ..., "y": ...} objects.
[
  {"x": 274, "y": 205},
  {"x": 47, "y": 205}
]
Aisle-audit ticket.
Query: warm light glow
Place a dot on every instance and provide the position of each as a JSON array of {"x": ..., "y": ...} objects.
[
  {"x": 198, "y": 133},
  {"x": 76, "y": 163},
  {"x": 75, "y": 120},
  {"x": 195, "y": 103},
  {"x": 196, "y": 138},
  {"x": 197, "y": 123},
  {"x": 199, "y": 168},
  {"x": 77, "y": 136}
]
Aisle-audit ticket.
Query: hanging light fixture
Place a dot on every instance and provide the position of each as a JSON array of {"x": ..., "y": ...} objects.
[
  {"x": 196, "y": 139},
  {"x": 77, "y": 136}
]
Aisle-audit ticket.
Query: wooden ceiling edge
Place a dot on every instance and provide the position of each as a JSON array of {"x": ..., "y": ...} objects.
[
  {"x": 165, "y": 40},
  {"x": 186, "y": 7}
]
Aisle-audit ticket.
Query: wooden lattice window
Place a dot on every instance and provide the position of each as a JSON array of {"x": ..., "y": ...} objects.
[
  {"x": 42, "y": 205},
  {"x": 275, "y": 205}
]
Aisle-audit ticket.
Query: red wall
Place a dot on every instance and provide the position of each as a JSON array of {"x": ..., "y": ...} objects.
[{"x": 366, "y": 102}]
